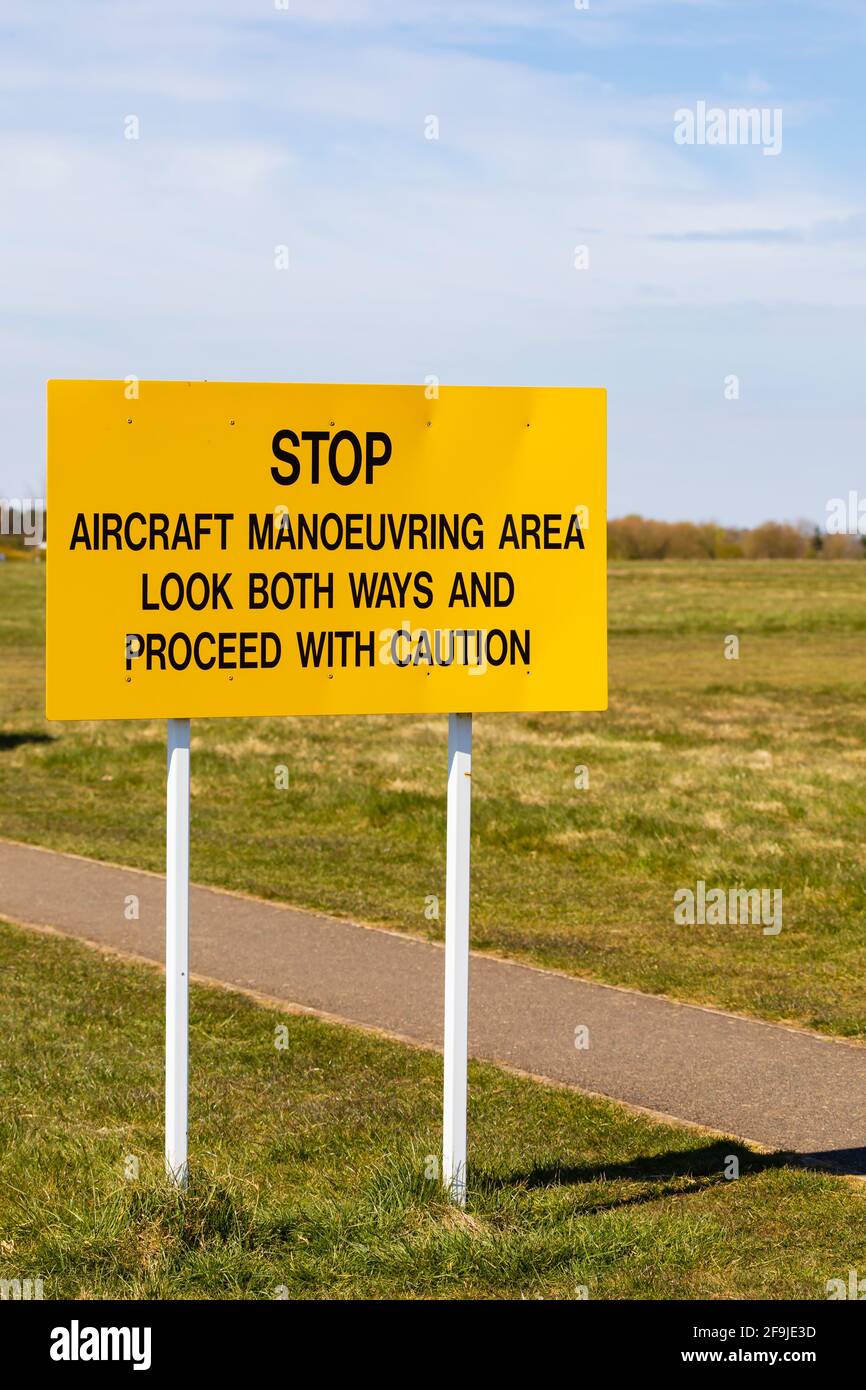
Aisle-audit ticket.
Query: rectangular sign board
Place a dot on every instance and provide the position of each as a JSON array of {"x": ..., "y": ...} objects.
[{"x": 232, "y": 549}]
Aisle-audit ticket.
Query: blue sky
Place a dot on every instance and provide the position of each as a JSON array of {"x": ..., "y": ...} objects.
[{"x": 408, "y": 257}]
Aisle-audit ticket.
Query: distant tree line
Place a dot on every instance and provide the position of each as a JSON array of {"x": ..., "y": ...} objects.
[{"x": 640, "y": 538}]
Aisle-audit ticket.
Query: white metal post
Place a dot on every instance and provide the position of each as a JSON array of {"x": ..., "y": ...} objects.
[
  {"x": 177, "y": 952},
  {"x": 457, "y": 956}
]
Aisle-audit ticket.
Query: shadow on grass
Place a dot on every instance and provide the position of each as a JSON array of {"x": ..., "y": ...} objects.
[
  {"x": 10, "y": 741},
  {"x": 706, "y": 1167},
  {"x": 849, "y": 1161}
]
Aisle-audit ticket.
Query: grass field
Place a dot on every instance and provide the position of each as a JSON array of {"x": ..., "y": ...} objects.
[
  {"x": 310, "y": 1161},
  {"x": 746, "y": 773}
]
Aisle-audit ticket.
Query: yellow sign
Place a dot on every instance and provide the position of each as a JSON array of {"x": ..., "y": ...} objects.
[{"x": 254, "y": 549}]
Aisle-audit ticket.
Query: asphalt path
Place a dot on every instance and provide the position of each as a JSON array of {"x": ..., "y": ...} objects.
[{"x": 778, "y": 1087}]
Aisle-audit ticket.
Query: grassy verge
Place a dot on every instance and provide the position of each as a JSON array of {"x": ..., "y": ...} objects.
[
  {"x": 309, "y": 1166},
  {"x": 745, "y": 773}
]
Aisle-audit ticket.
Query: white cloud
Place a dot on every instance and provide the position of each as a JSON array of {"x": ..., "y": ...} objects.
[{"x": 407, "y": 255}]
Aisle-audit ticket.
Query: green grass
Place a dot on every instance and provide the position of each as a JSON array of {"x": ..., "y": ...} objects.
[
  {"x": 744, "y": 773},
  {"x": 308, "y": 1166}
]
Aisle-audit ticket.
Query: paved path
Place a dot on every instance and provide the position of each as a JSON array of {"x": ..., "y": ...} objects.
[{"x": 775, "y": 1086}]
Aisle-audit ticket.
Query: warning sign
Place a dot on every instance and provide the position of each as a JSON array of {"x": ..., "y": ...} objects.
[{"x": 255, "y": 549}]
